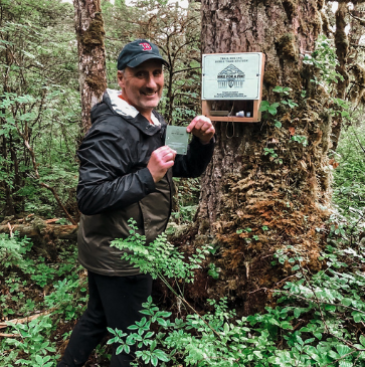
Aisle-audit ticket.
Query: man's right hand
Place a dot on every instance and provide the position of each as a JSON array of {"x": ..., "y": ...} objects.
[{"x": 161, "y": 160}]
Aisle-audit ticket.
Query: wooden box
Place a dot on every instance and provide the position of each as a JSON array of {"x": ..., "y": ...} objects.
[{"x": 232, "y": 83}]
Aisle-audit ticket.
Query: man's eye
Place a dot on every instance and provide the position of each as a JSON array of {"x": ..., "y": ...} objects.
[{"x": 157, "y": 72}]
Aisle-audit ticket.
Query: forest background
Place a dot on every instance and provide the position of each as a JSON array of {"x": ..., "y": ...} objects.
[{"x": 308, "y": 315}]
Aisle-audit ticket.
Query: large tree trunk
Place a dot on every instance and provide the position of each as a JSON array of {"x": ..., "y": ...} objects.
[
  {"x": 277, "y": 205},
  {"x": 90, "y": 38}
]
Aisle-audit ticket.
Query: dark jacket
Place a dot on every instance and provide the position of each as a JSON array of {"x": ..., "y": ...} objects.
[{"x": 116, "y": 185}]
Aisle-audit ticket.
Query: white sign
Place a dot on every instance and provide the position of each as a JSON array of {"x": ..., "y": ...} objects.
[{"x": 234, "y": 76}]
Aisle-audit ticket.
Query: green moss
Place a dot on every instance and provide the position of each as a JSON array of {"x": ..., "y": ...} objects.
[
  {"x": 94, "y": 35},
  {"x": 290, "y": 7},
  {"x": 287, "y": 47},
  {"x": 96, "y": 83},
  {"x": 317, "y": 24},
  {"x": 325, "y": 24},
  {"x": 271, "y": 76}
]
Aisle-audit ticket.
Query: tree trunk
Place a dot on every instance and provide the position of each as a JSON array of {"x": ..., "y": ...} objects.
[
  {"x": 40, "y": 228},
  {"x": 256, "y": 201},
  {"x": 90, "y": 38}
]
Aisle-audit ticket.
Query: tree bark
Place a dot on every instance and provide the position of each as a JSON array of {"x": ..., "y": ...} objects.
[
  {"x": 90, "y": 33},
  {"x": 272, "y": 205}
]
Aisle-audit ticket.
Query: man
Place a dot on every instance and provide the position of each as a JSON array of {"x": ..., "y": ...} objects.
[{"x": 126, "y": 172}]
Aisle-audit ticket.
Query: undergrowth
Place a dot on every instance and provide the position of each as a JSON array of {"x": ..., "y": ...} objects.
[
  {"x": 349, "y": 176},
  {"x": 318, "y": 319},
  {"x": 32, "y": 285}
]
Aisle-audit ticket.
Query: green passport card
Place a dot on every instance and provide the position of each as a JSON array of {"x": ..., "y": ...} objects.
[{"x": 177, "y": 139}]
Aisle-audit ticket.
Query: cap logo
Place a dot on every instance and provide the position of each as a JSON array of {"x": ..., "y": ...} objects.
[{"x": 146, "y": 46}]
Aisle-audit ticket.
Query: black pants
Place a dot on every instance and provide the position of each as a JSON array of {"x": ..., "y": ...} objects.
[{"x": 114, "y": 302}]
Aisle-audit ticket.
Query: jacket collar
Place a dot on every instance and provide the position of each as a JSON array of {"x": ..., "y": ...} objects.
[{"x": 131, "y": 114}]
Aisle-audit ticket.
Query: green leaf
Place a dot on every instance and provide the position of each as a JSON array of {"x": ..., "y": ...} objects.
[
  {"x": 161, "y": 355},
  {"x": 127, "y": 349},
  {"x": 318, "y": 335},
  {"x": 162, "y": 322},
  {"x": 154, "y": 361},
  {"x": 278, "y": 124},
  {"x": 297, "y": 312},
  {"x": 153, "y": 345},
  {"x": 345, "y": 364},
  {"x": 362, "y": 340},
  {"x": 357, "y": 316},
  {"x": 342, "y": 349},
  {"x": 331, "y": 308},
  {"x": 119, "y": 349},
  {"x": 273, "y": 109},
  {"x": 286, "y": 325}
]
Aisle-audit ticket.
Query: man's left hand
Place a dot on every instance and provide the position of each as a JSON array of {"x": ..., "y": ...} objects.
[{"x": 202, "y": 128}]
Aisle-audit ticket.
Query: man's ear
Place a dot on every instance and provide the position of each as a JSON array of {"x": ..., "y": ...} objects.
[{"x": 121, "y": 77}]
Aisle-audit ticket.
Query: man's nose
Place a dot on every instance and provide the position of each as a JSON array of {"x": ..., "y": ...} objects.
[{"x": 151, "y": 83}]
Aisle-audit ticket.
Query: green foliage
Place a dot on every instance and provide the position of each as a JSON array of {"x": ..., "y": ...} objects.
[
  {"x": 33, "y": 343},
  {"x": 69, "y": 298},
  {"x": 158, "y": 258},
  {"x": 269, "y": 108},
  {"x": 39, "y": 104},
  {"x": 324, "y": 58},
  {"x": 349, "y": 176},
  {"x": 314, "y": 323},
  {"x": 12, "y": 250},
  {"x": 273, "y": 155},
  {"x": 301, "y": 139}
]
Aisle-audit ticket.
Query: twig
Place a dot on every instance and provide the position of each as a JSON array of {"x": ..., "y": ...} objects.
[
  {"x": 10, "y": 230},
  {"x": 25, "y": 319},
  {"x": 10, "y": 335}
]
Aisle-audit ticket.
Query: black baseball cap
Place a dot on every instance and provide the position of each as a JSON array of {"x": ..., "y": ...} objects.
[{"x": 138, "y": 51}]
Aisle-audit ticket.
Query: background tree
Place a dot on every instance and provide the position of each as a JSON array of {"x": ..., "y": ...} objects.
[{"x": 90, "y": 32}]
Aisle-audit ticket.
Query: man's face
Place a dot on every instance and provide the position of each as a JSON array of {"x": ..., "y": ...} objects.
[{"x": 142, "y": 86}]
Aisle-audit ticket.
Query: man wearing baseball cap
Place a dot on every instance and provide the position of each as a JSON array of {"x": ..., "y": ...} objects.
[{"x": 126, "y": 172}]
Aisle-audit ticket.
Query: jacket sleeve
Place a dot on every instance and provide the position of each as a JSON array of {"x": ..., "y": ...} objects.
[
  {"x": 196, "y": 161},
  {"x": 108, "y": 175}
]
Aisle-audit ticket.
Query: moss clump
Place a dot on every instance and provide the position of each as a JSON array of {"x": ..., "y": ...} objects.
[
  {"x": 94, "y": 35},
  {"x": 290, "y": 7},
  {"x": 325, "y": 24},
  {"x": 287, "y": 47},
  {"x": 96, "y": 83},
  {"x": 317, "y": 24},
  {"x": 358, "y": 88},
  {"x": 320, "y": 4},
  {"x": 271, "y": 76}
]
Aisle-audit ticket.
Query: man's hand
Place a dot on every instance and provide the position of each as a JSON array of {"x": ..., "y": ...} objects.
[
  {"x": 161, "y": 160},
  {"x": 202, "y": 128}
]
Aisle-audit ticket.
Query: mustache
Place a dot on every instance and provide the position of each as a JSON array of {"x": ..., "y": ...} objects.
[{"x": 148, "y": 90}]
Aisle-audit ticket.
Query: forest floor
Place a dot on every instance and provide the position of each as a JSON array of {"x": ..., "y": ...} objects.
[{"x": 47, "y": 280}]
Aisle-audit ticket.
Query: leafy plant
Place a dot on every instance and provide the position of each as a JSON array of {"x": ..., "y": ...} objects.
[
  {"x": 300, "y": 139},
  {"x": 33, "y": 343},
  {"x": 326, "y": 306},
  {"x": 273, "y": 155}
]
